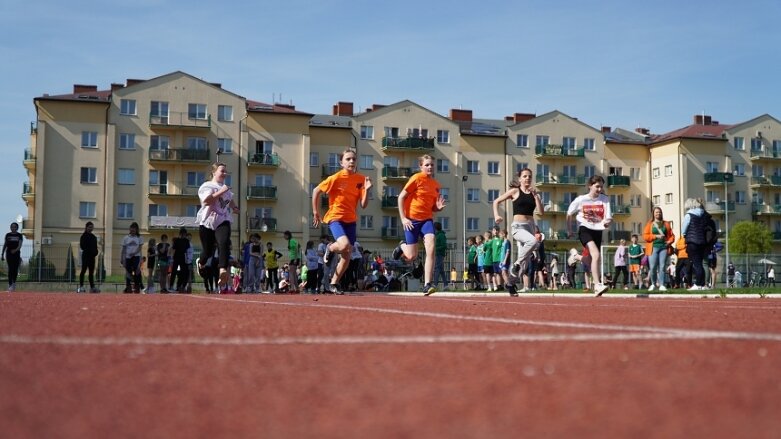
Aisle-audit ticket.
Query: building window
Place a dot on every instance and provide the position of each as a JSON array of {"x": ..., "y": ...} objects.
[
  {"x": 473, "y": 195},
  {"x": 635, "y": 200},
  {"x": 367, "y": 222},
  {"x": 89, "y": 175},
  {"x": 367, "y": 132},
  {"x": 522, "y": 141},
  {"x": 126, "y": 176},
  {"x": 668, "y": 170},
  {"x": 195, "y": 179},
  {"x": 191, "y": 210},
  {"x": 127, "y": 107},
  {"x": 314, "y": 159},
  {"x": 225, "y": 145},
  {"x": 656, "y": 199},
  {"x": 492, "y": 195},
  {"x": 159, "y": 143},
  {"x": 542, "y": 141},
  {"x": 740, "y": 197},
  {"x": 86, "y": 209},
  {"x": 740, "y": 169},
  {"x": 420, "y": 133},
  {"x": 125, "y": 210},
  {"x": 668, "y": 198},
  {"x": 711, "y": 167},
  {"x": 589, "y": 171},
  {"x": 225, "y": 113},
  {"x": 472, "y": 166},
  {"x": 158, "y": 210},
  {"x": 196, "y": 111},
  {"x": 568, "y": 143},
  {"x": 445, "y": 221},
  {"x": 443, "y": 136},
  {"x": 756, "y": 144},
  {"x": 198, "y": 143},
  {"x": 739, "y": 145},
  {"x": 655, "y": 172},
  {"x": 588, "y": 144},
  {"x": 443, "y": 166},
  {"x": 367, "y": 161},
  {"x": 445, "y": 193},
  {"x": 264, "y": 147},
  {"x": 127, "y": 141},
  {"x": 493, "y": 168},
  {"x": 635, "y": 174},
  {"x": 392, "y": 132},
  {"x": 472, "y": 224},
  {"x": 89, "y": 139},
  {"x": 159, "y": 111}
]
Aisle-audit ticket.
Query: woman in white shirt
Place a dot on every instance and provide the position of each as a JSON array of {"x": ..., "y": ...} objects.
[
  {"x": 592, "y": 212},
  {"x": 214, "y": 219}
]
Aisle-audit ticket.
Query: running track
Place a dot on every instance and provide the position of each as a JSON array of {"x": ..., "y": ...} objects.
[{"x": 377, "y": 366}]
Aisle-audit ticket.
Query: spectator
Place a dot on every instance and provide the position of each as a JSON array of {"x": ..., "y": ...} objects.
[
  {"x": 619, "y": 261},
  {"x": 440, "y": 249},
  {"x": 88, "y": 244}
]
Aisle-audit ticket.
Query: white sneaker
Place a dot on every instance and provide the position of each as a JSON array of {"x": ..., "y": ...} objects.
[
  {"x": 599, "y": 289},
  {"x": 695, "y": 288},
  {"x": 80, "y": 290},
  {"x": 651, "y": 288},
  {"x": 662, "y": 288}
]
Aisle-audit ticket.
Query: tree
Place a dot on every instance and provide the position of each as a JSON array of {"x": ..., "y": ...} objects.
[{"x": 747, "y": 237}]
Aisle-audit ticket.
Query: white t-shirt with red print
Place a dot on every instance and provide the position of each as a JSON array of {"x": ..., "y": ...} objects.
[{"x": 591, "y": 212}]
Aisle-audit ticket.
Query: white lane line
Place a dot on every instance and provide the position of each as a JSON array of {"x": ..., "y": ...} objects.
[
  {"x": 369, "y": 340},
  {"x": 673, "y": 303},
  {"x": 554, "y": 324}
]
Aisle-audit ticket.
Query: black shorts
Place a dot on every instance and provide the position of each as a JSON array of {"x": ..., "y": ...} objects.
[
  {"x": 488, "y": 269},
  {"x": 587, "y": 235},
  {"x": 473, "y": 269}
]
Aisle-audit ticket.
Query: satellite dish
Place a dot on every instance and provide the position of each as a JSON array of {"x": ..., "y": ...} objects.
[{"x": 19, "y": 218}]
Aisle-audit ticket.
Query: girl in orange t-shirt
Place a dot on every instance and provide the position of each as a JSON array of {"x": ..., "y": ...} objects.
[
  {"x": 418, "y": 201},
  {"x": 345, "y": 190}
]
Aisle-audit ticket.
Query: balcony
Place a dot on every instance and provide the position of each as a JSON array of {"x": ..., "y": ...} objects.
[
  {"x": 766, "y": 209},
  {"x": 776, "y": 236},
  {"x": 256, "y": 224},
  {"x": 263, "y": 160},
  {"x": 718, "y": 208},
  {"x": 620, "y": 209},
  {"x": 390, "y": 202},
  {"x": 330, "y": 169},
  {"x": 560, "y": 180},
  {"x": 718, "y": 178},
  {"x": 261, "y": 192},
  {"x": 172, "y": 222},
  {"x": 27, "y": 225},
  {"x": 408, "y": 143},
  {"x": 563, "y": 235},
  {"x": 172, "y": 189},
  {"x": 27, "y": 191},
  {"x": 764, "y": 154},
  {"x": 179, "y": 120},
  {"x": 556, "y": 208},
  {"x": 617, "y": 235},
  {"x": 392, "y": 233},
  {"x": 558, "y": 151},
  {"x": 179, "y": 155},
  {"x": 394, "y": 173},
  {"x": 29, "y": 159},
  {"x": 617, "y": 181},
  {"x": 766, "y": 182}
]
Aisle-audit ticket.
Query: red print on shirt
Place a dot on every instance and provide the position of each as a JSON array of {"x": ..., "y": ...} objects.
[{"x": 593, "y": 213}]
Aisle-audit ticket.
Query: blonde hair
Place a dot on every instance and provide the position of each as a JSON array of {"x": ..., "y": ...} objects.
[
  {"x": 425, "y": 157},
  {"x": 214, "y": 167}
]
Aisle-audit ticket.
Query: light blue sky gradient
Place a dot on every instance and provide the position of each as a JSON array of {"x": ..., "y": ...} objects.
[{"x": 610, "y": 63}]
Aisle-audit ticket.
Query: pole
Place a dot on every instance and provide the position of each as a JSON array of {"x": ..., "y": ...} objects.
[
  {"x": 464, "y": 264},
  {"x": 726, "y": 224}
]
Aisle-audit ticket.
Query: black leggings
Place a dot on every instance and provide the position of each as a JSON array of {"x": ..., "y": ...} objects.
[
  {"x": 218, "y": 238},
  {"x": 87, "y": 263},
  {"x": 14, "y": 261}
]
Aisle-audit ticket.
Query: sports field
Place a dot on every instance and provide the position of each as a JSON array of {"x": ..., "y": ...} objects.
[{"x": 383, "y": 366}]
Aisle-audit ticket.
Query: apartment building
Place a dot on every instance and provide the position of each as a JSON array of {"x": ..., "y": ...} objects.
[{"x": 137, "y": 152}]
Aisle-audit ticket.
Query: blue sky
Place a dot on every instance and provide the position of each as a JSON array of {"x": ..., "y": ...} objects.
[{"x": 610, "y": 63}]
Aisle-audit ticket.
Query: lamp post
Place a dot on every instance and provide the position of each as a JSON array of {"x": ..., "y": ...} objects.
[
  {"x": 726, "y": 221},
  {"x": 464, "y": 266}
]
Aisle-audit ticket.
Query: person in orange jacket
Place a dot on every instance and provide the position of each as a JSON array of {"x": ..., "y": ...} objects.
[
  {"x": 658, "y": 235},
  {"x": 683, "y": 266}
]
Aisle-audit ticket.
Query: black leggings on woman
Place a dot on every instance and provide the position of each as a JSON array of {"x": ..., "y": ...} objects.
[
  {"x": 87, "y": 264},
  {"x": 218, "y": 238},
  {"x": 14, "y": 261}
]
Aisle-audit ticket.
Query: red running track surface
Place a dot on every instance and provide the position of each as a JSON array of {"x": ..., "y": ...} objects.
[{"x": 375, "y": 366}]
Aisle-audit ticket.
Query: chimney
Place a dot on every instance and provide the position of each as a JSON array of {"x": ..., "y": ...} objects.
[
  {"x": 698, "y": 119},
  {"x": 288, "y": 106},
  {"x": 343, "y": 109},
  {"x": 706, "y": 120},
  {"x": 457, "y": 115},
  {"x": 606, "y": 130},
  {"x": 376, "y": 107},
  {"x": 115, "y": 86},
  {"x": 523, "y": 117},
  {"x": 81, "y": 88},
  {"x": 643, "y": 131},
  {"x": 216, "y": 84},
  {"x": 133, "y": 82}
]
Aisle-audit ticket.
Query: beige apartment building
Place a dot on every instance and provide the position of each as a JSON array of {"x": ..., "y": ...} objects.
[{"x": 137, "y": 152}]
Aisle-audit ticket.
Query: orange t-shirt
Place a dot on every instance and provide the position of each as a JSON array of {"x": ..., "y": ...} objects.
[
  {"x": 423, "y": 192},
  {"x": 344, "y": 193}
]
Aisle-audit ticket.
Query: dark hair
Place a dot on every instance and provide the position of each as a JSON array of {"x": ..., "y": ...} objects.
[
  {"x": 287, "y": 234},
  {"x": 516, "y": 183},
  {"x": 594, "y": 179},
  {"x": 89, "y": 223},
  {"x": 182, "y": 231}
]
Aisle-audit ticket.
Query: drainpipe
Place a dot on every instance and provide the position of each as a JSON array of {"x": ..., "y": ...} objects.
[
  {"x": 105, "y": 186},
  {"x": 238, "y": 194}
]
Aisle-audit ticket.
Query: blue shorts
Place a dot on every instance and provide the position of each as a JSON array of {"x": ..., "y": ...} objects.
[
  {"x": 504, "y": 267},
  {"x": 419, "y": 229},
  {"x": 339, "y": 229},
  {"x": 497, "y": 268},
  {"x": 479, "y": 268}
]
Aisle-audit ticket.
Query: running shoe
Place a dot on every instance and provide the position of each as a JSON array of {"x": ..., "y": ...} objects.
[
  {"x": 512, "y": 290},
  {"x": 429, "y": 289},
  {"x": 80, "y": 290},
  {"x": 94, "y": 290},
  {"x": 599, "y": 289},
  {"x": 327, "y": 254},
  {"x": 515, "y": 270},
  {"x": 397, "y": 252}
]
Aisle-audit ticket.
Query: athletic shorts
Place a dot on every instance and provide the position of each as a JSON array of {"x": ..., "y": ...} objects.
[
  {"x": 587, "y": 235},
  {"x": 497, "y": 268},
  {"x": 504, "y": 267},
  {"x": 488, "y": 269},
  {"x": 480, "y": 269},
  {"x": 339, "y": 229},
  {"x": 634, "y": 268},
  {"x": 419, "y": 230},
  {"x": 472, "y": 269}
]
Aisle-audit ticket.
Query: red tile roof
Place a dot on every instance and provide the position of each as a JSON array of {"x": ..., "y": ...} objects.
[{"x": 713, "y": 131}]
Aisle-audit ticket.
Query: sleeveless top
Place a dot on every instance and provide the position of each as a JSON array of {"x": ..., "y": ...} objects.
[{"x": 524, "y": 204}]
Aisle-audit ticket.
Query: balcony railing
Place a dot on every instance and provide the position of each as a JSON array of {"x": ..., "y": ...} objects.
[
  {"x": 262, "y": 192},
  {"x": 28, "y": 155},
  {"x": 172, "y": 189},
  {"x": 391, "y": 232},
  {"x": 408, "y": 143},
  {"x": 556, "y": 208},
  {"x": 621, "y": 209},
  {"x": 264, "y": 159},
  {"x": 330, "y": 169},
  {"x": 617, "y": 181},
  {"x": 617, "y": 235},
  {"x": 257, "y": 224},
  {"x": 27, "y": 190},
  {"x": 394, "y": 172},
  {"x": 390, "y": 202},
  {"x": 27, "y": 224},
  {"x": 766, "y": 209},
  {"x": 711, "y": 178},
  {"x": 179, "y": 120},
  {"x": 764, "y": 154},
  {"x": 718, "y": 208},
  {"x": 558, "y": 151},
  {"x": 560, "y": 180},
  {"x": 773, "y": 180},
  {"x": 180, "y": 154},
  {"x": 173, "y": 222}
]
